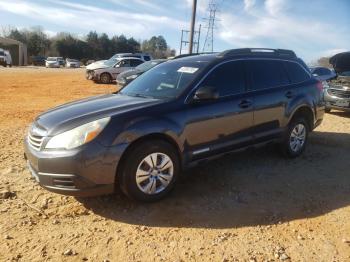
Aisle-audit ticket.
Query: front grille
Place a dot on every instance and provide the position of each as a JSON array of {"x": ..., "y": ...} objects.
[
  {"x": 339, "y": 93},
  {"x": 35, "y": 141}
]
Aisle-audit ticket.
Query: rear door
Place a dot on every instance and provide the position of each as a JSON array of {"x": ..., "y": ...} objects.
[
  {"x": 222, "y": 124},
  {"x": 268, "y": 85}
]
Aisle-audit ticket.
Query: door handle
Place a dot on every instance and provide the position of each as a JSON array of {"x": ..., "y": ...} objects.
[
  {"x": 245, "y": 104},
  {"x": 289, "y": 94}
]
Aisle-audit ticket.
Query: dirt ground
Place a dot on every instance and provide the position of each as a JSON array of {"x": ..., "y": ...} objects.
[{"x": 251, "y": 206}]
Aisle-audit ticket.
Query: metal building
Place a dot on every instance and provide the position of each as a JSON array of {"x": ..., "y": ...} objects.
[{"x": 17, "y": 49}]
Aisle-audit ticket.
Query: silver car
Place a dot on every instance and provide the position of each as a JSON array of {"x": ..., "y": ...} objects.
[
  {"x": 108, "y": 71},
  {"x": 337, "y": 91}
]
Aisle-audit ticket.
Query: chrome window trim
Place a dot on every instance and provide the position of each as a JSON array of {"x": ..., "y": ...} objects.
[{"x": 187, "y": 99}]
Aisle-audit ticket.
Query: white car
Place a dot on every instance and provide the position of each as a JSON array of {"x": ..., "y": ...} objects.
[
  {"x": 72, "y": 63},
  {"x": 5, "y": 58},
  {"x": 143, "y": 56},
  {"x": 108, "y": 71},
  {"x": 52, "y": 62}
]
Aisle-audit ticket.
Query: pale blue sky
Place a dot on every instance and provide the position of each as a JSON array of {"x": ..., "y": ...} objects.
[{"x": 311, "y": 28}]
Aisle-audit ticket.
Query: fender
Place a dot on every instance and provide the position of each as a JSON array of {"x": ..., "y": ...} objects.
[
  {"x": 151, "y": 126},
  {"x": 297, "y": 103}
]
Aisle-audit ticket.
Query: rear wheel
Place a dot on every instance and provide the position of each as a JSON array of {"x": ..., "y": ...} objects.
[
  {"x": 105, "y": 78},
  {"x": 295, "y": 138},
  {"x": 149, "y": 171}
]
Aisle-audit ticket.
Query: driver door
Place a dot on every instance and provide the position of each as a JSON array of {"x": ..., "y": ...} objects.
[{"x": 225, "y": 123}]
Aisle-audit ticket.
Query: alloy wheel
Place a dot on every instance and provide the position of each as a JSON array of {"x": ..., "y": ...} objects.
[{"x": 154, "y": 173}]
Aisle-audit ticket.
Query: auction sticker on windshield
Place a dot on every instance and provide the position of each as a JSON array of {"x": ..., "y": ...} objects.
[{"x": 188, "y": 70}]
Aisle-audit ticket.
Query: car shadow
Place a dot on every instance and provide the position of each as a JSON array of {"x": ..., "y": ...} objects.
[
  {"x": 257, "y": 187},
  {"x": 340, "y": 113}
]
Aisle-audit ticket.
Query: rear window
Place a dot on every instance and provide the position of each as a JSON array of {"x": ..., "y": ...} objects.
[
  {"x": 267, "y": 74},
  {"x": 297, "y": 74}
]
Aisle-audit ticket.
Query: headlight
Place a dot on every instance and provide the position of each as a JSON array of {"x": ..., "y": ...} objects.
[
  {"x": 131, "y": 77},
  {"x": 79, "y": 135}
]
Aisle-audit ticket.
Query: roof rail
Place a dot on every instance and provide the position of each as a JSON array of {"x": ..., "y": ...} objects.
[
  {"x": 193, "y": 54},
  {"x": 253, "y": 51}
]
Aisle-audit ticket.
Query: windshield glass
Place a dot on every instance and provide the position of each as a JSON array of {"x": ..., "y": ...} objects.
[
  {"x": 147, "y": 65},
  {"x": 167, "y": 80},
  {"x": 111, "y": 62},
  {"x": 51, "y": 59},
  {"x": 2, "y": 53}
]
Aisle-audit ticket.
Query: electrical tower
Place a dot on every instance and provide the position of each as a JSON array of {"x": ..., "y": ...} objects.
[
  {"x": 184, "y": 43},
  {"x": 210, "y": 26}
]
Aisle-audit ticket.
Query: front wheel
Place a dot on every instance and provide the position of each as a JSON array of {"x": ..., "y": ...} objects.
[
  {"x": 105, "y": 78},
  {"x": 149, "y": 171},
  {"x": 295, "y": 138}
]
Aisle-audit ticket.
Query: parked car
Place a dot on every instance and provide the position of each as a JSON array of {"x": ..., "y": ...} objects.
[
  {"x": 323, "y": 73},
  {"x": 52, "y": 62},
  {"x": 61, "y": 61},
  {"x": 337, "y": 93},
  {"x": 107, "y": 72},
  {"x": 129, "y": 75},
  {"x": 114, "y": 58},
  {"x": 72, "y": 63},
  {"x": 177, "y": 115},
  {"x": 5, "y": 58},
  {"x": 38, "y": 60}
]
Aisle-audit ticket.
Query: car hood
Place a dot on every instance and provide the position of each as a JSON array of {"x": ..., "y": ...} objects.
[
  {"x": 70, "y": 115},
  {"x": 97, "y": 65},
  {"x": 130, "y": 73},
  {"x": 340, "y": 62}
]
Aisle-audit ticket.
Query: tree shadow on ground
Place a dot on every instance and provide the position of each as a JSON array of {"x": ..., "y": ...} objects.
[{"x": 247, "y": 189}]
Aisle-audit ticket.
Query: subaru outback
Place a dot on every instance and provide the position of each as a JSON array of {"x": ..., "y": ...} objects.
[{"x": 174, "y": 116}]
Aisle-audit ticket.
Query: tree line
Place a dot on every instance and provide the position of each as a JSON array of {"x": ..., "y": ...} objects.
[{"x": 91, "y": 46}]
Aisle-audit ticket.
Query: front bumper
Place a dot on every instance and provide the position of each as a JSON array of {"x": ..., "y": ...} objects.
[
  {"x": 89, "y": 170},
  {"x": 335, "y": 102}
]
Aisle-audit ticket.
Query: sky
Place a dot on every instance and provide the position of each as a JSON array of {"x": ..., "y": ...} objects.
[{"x": 312, "y": 28}]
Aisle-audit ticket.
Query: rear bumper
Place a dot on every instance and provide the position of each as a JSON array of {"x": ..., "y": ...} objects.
[{"x": 86, "y": 171}]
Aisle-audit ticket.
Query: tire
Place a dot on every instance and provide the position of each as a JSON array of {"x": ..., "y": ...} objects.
[
  {"x": 152, "y": 185},
  {"x": 292, "y": 146},
  {"x": 328, "y": 110},
  {"x": 105, "y": 78}
]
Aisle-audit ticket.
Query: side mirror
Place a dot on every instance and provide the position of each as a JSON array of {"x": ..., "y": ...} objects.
[{"x": 206, "y": 93}]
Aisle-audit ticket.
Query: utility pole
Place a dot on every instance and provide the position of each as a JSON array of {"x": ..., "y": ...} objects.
[{"x": 193, "y": 22}]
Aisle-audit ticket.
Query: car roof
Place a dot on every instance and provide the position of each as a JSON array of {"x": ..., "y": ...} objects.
[{"x": 127, "y": 57}]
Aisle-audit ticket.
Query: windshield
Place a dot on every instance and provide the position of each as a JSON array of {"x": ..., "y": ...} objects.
[
  {"x": 51, "y": 59},
  {"x": 147, "y": 65},
  {"x": 2, "y": 53},
  {"x": 111, "y": 62},
  {"x": 167, "y": 80}
]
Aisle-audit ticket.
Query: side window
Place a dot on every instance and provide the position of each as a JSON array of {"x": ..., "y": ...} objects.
[
  {"x": 297, "y": 74},
  {"x": 135, "y": 62},
  {"x": 267, "y": 74},
  {"x": 147, "y": 58},
  {"x": 125, "y": 63},
  {"x": 228, "y": 79}
]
